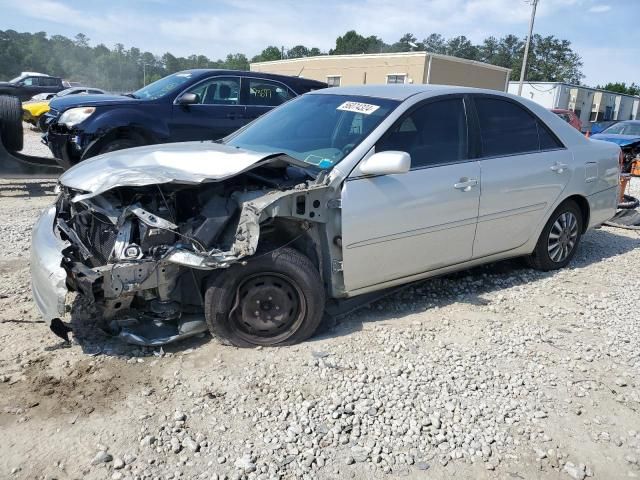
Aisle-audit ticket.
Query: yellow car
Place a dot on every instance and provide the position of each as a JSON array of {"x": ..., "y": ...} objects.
[{"x": 34, "y": 110}]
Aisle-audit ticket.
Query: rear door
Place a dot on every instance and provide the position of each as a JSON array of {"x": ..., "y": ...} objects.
[
  {"x": 217, "y": 113},
  {"x": 394, "y": 226},
  {"x": 261, "y": 95},
  {"x": 524, "y": 169}
]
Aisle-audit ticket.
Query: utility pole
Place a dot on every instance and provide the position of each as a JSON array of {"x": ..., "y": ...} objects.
[
  {"x": 534, "y": 4},
  {"x": 144, "y": 74}
]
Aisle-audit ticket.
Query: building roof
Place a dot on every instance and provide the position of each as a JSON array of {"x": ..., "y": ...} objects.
[{"x": 382, "y": 55}]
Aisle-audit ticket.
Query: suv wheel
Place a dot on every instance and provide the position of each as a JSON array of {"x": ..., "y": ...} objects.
[
  {"x": 277, "y": 298},
  {"x": 559, "y": 239},
  {"x": 11, "y": 132},
  {"x": 119, "y": 144}
]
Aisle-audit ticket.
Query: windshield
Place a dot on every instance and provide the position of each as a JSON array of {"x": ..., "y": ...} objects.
[
  {"x": 17, "y": 79},
  {"x": 317, "y": 129},
  {"x": 624, "y": 128},
  {"x": 67, "y": 91},
  {"x": 161, "y": 87}
]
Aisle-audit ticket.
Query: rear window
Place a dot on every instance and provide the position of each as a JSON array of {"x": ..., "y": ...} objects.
[{"x": 508, "y": 129}]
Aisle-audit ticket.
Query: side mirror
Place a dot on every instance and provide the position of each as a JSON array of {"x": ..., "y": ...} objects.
[
  {"x": 386, "y": 163},
  {"x": 188, "y": 99}
]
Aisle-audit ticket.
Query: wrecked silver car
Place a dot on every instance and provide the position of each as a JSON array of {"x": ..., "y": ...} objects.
[{"x": 335, "y": 194}]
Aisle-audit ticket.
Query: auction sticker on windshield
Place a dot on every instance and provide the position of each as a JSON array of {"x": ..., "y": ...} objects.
[{"x": 358, "y": 107}]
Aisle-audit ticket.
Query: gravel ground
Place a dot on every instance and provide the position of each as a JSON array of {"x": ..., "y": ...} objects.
[
  {"x": 32, "y": 143},
  {"x": 500, "y": 372}
]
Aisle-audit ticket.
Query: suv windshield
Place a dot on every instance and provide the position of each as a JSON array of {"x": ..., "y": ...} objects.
[
  {"x": 163, "y": 86},
  {"x": 317, "y": 129},
  {"x": 624, "y": 128}
]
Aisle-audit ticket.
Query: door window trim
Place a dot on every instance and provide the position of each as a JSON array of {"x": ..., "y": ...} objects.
[
  {"x": 478, "y": 133},
  {"x": 470, "y": 154},
  {"x": 175, "y": 99}
]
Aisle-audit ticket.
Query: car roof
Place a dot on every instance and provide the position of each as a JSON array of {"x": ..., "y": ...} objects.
[
  {"x": 401, "y": 92},
  {"x": 248, "y": 73}
]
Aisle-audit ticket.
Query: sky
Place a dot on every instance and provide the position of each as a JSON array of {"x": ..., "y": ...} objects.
[{"x": 602, "y": 32}]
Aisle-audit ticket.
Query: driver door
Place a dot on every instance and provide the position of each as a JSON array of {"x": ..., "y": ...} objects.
[
  {"x": 217, "y": 113},
  {"x": 395, "y": 226}
]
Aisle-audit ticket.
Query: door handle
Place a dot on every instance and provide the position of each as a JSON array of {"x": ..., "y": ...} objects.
[
  {"x": 233, "y": 116},
  {"x": 465, "y": 184},
  {"x": 558, "y": 167}
]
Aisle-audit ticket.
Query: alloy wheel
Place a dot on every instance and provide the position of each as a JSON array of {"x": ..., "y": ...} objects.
[{"x": 562, "y": 237}]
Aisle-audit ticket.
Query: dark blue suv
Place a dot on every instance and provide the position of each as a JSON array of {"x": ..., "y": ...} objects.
[{"x": 188, "y": 105}]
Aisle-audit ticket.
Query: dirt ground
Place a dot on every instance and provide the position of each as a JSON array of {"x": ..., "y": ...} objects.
[{"x": 498, "y": 373}]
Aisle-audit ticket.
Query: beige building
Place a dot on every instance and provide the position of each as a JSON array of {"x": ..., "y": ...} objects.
[{"x": 405, "y": 67}]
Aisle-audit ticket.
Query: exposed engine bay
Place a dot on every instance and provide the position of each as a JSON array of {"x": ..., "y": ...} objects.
[{"x": 143, "y": 254}]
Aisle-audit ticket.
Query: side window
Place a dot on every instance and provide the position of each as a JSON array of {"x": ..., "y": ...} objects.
[
  {"x": 506, "y": 128},
  {"x": 218, "y": 91},
  {"x": 49, "y": 82},
  {"x": 435, "y": 133},
  {"x": 29, "y": 81},
  {"x": 547, "y": 140},
  {"x": 264, "y": 93}
]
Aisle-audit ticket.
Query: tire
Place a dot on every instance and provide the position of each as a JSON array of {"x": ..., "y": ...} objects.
[
  {"x": 241, "y": 302},
  {"x": 11, "y": 132},
  {"x": 551, "y": 252},
  {"x": 119, "y": 144}
]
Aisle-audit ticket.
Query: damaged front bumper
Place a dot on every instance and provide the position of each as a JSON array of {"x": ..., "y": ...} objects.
[{"x": 48, "y": 278}]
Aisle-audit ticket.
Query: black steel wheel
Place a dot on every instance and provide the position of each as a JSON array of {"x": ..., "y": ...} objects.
[{"x": 277, "y": 298}]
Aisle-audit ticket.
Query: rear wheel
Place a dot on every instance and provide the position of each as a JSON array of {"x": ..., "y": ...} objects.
[
  {"x": 11, "y": 132},
  {"x": 276, "y": 299},
  {"x": 559, "y": 239}
]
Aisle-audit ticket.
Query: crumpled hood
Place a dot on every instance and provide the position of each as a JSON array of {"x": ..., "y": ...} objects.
[
  {"x": 187, "y": 162},
  {"x": 621, "y": 140}
]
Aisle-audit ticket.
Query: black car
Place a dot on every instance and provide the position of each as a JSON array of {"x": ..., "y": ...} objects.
[
  {"x": 29, "y": 84},
  {"x": 188, "y": 105}
]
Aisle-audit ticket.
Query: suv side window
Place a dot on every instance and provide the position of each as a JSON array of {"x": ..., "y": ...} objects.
[
  {"x": 508, "y": 129},
  {"x": 264, "y": 93},
  {"x": 218, "y": 91},
  {"x": 29, "y": 81},
  {"x": 433, "y": 134}
]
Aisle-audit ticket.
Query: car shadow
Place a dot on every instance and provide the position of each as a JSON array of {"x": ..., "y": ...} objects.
[
  {"x": 28, "y": 189},
  {"x": 469, "y": 286}
]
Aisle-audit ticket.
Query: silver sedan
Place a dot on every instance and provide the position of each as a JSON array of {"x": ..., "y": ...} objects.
[{"x": 337, "y": 193}]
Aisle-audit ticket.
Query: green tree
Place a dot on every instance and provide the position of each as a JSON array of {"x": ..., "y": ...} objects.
[
  {"x": 353, "y": 42},
  {"x": 435, "y": 43},
  {"x": 463, "y": 48},
  {"x": 298, "y": 51},
  {"x": 269, "y": 54},
  {"x": 621, "y": 87}
]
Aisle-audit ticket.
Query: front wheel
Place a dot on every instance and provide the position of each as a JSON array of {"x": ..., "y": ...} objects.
[
  {"x": 119, "y": 144},
  {"x": 559, "y": 239},
  {"x": 277, "y": 298}
]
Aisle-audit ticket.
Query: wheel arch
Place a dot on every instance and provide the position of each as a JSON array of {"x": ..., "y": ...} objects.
[
  {"x": 139, "y": 134},
  {"x": 583, "y": 205}
]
